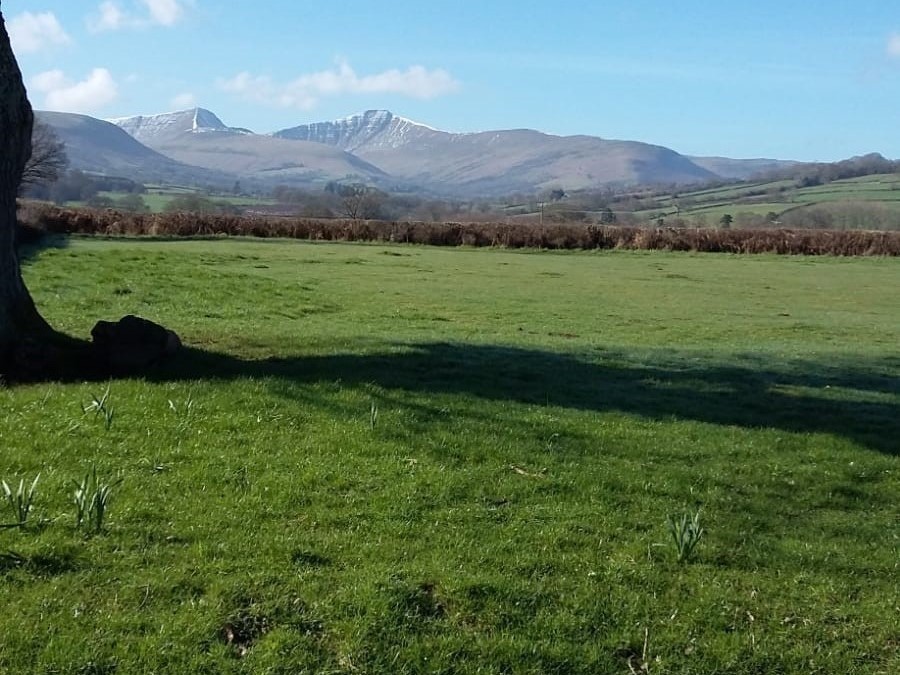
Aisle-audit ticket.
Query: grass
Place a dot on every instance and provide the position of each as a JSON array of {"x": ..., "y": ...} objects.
[
  {"x": 405, "y": 459},
  {"x": 158, "y": 197},
  {"x": 777, "y": 197}
]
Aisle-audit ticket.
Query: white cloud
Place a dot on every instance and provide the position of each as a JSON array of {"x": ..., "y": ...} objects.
[
  {"x": 33, "y": 32},
  {"x": 185, "y": 100},
  {"x": 111, "y": 16},
  {"x": 164, "y": 12},
  {"x": 65, "y": 95},
  {"x": 305, "y": 91},
  {"x": 893, "y": 45}
]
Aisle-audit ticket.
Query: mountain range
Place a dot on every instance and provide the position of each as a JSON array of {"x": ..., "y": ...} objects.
[{"x": 377, "y": 148}]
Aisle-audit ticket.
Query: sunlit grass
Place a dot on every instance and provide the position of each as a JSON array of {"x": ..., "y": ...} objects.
[{"x": 403, "y": 459}]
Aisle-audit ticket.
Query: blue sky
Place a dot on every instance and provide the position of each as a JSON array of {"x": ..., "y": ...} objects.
[{"x": 801, "y": 80}]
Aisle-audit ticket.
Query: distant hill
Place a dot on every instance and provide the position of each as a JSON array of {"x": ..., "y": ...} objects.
[
  {"x": 198, "y": 137},
  {"x": 497, "y": 162},
  {"x": 100, "y": 147},
  {"x": 742, "y": 169},
  {"x": 368, "y": 130},
  {"x": 168, "y": 127},
  {"x": 812, "y": 173},
  {"x": 379, "y": 148}
]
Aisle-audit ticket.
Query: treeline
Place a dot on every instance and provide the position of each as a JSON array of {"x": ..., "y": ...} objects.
[
  {"x": 767, "y": 186},
  {"x": 847, "y": 215},
  {"x": 355, "y": 200},
  {"x": 78, "y": 186},
  {"x": 811, "y": 174},
  {"x": 51, "y": 219}
]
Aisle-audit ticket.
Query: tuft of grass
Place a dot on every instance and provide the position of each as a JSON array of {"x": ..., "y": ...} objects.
[
  {"x": 101, "y": 408},
  {"x": 686, "y": 534},
  {"x": 91, "y": 498},
  {"x": 20, "y": 501},
  {"x": 373, "y": 415}
]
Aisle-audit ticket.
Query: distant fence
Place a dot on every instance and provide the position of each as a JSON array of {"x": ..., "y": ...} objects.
[{"x": 52, "y": 219}]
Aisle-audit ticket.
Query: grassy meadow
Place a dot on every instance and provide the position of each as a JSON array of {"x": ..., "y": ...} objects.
[
  {"x": 405, "y": 459},
  {"x": 157, "y": 198},
  {"x": 780, "y": 197}
]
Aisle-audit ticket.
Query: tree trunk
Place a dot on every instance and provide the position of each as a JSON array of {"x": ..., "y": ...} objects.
[{"x": 19, "y": 319}]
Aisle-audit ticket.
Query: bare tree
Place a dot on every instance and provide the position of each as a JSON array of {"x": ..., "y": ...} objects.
[
  {"x": 48, "y": 157},
  {"x": 360, "y": 202},
  {"x": 20, "y": 321}
]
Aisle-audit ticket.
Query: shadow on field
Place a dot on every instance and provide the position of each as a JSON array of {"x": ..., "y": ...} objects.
[
  {"x": 859, "y": 402},
  {"x": 30, "y": 241}
]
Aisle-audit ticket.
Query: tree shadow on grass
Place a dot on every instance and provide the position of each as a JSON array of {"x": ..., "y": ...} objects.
[
  {"x": 858, "y": 400},
  {"x": 30, "y": 241}
]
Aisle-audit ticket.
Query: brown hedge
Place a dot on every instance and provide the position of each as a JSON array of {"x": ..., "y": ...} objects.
[{"x": 58, "y": 220}]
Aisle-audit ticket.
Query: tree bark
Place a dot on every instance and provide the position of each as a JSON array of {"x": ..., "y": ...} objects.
[{"x": 20, "y": 321}]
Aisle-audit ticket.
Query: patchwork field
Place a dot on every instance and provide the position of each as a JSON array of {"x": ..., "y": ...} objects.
[
  {"x": 880, "y": 192},
  {"x": 158, "y": 197},
  {"x": 402, "y": 459}
]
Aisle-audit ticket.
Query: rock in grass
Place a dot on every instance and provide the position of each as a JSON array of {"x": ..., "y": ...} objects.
[{"x": 132, "y": 344}]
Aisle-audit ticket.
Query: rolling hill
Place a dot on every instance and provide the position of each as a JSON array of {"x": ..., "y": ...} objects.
[
  {"x": 497, "y": 162},
  {"x": 101, "y": 147},
  {"x": 741, "y": 169},
  {"x": 377, "y": 148}
]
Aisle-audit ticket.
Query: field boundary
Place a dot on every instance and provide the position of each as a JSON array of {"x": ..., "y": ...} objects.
[{"x": 559, "y": 236}]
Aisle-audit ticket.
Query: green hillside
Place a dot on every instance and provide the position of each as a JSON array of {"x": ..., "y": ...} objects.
[{"x": 868, "y": 194}]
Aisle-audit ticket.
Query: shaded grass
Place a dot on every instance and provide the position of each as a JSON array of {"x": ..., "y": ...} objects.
[{"x": 539, "y": 417}]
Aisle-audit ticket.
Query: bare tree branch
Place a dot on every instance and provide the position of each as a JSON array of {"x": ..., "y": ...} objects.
[
  {"x": 360, "y": 202},
  {"x": 48, "y": 157}
]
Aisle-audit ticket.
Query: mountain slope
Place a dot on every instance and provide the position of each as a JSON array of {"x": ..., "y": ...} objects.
[
  {"x": 741, "y": 169},
  {"x": 377, "y": 147},
  {"x": 368, "y": 130},
  {"x": 98, "y": 146},
  {"x": 159, "y": 129},
  {"x": 200, "y": 138},
  {"x": 495, "y": 162}
]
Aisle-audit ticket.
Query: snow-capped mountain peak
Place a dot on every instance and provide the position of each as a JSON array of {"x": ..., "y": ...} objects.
[
  {"x": 157, "y": 129},
  {"x": 372, "y": 128}
]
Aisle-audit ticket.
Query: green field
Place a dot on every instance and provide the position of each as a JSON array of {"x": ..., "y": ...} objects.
[
  {"x": 157, "y": 197},
  {"x": 402, "y": 459},
  {"x": 778, "y": 197}
]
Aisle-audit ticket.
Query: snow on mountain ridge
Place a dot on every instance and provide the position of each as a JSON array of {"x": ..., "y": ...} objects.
[
  {"x": 150, "y": 129},
  {"x": 372, "y": 128},
  {"x": 385, "y": 116},
  {"x": 380, "y": 143},
  {"x": 406, "y": 120}
]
